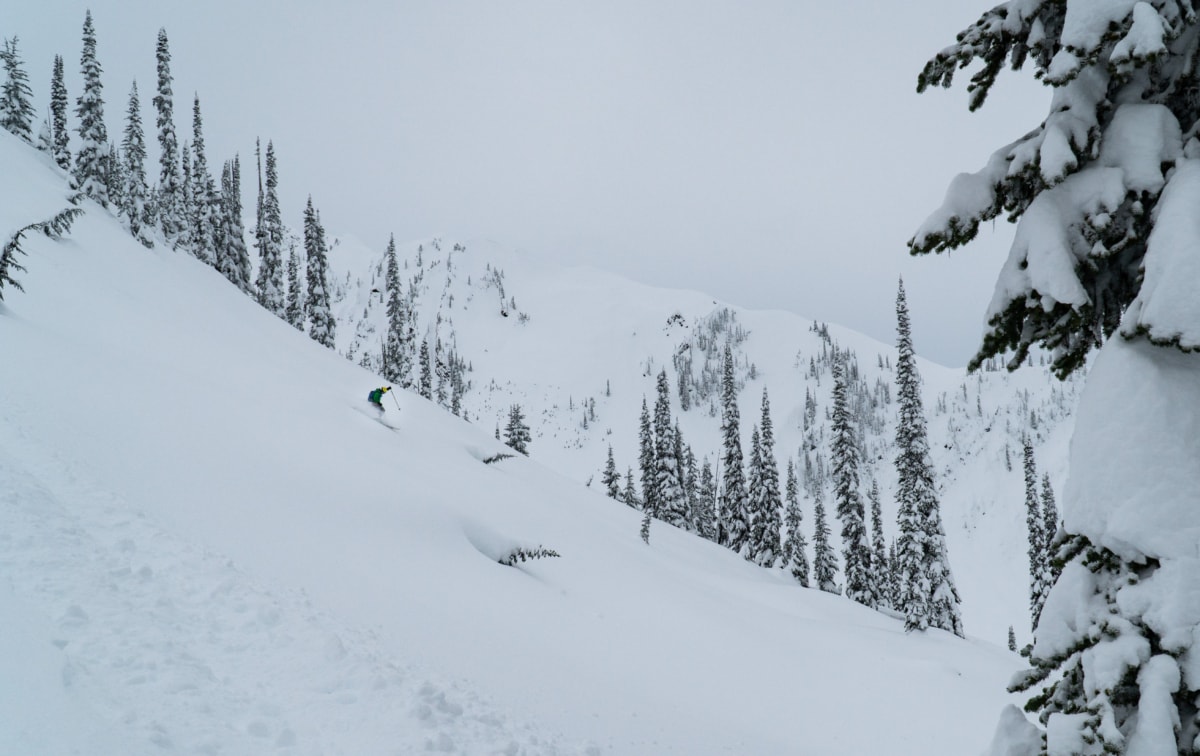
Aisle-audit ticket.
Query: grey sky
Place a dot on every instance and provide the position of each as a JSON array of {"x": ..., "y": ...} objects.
[{"x": 773, "y": 154}]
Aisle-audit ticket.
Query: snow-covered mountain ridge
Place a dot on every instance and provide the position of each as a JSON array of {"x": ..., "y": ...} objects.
[
  {"x": 206, "y": 546},
  {"x": 579, "y": 348}
]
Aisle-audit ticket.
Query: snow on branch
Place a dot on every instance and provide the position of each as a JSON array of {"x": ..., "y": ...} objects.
[
  {"x": 55, "y": 227},
  {"x": 523, "y": 554}
]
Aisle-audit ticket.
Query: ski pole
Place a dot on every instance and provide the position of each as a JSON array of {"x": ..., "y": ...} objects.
[{"x": 397, "y": 401}]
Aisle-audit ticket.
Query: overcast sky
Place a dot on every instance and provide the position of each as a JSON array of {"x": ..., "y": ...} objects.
[{"x": 773, "y": 154}]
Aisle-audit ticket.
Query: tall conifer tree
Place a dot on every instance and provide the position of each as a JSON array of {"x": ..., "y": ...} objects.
[
  {"x": 16, "y": 98},
  {"x": 927, "y": 595},
  {"x": 204, "y": 195},
  {"x": 850, "y": 510},
  {"x": 59, "y": 134},
  {"x": 630, "y": 495},
  {"x": 696, "y": 515},
  {"x": 91, "y": 162},
  {"x": 168, "y": 198},
  {"x": 825, "y": 564},
  {"x": 294, "y": 311},
  {"x": 1050, "y": 517},
  {"x": 425, "y": 386},
  {"x": 647, "y": 460},
  {"x": 706, "y": 502},
  {"x": 135, "y": 196},
  {"x": 733, "y": 516},
  {"x": 671, "y": 505},
  {"x": 271, "y": 292},
  {"x": 316, "y": 302},
  {"x": 765, "y": 498},
  {"x": 611, "y": 478},
  {"x": 235, "y": 261},
  {"x": 795, "y": 548},
  {"x": 1035, "y": 522},
  {"x": 881, "y": 582},
  {"x": 397, "y": 347}
]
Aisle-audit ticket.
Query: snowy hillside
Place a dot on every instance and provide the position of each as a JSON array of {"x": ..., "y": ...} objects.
[
  {"x": 207, "y": 546},
  {"x": 578, "y": 349}
]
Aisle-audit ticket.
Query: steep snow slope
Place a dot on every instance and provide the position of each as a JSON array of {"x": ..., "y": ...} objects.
[
  {"x": 579, "y": 349},
  {"x": 207, "y": 546}
]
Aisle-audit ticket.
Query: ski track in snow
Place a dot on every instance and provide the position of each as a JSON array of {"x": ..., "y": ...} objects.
[{"x": 182, "y": 651}]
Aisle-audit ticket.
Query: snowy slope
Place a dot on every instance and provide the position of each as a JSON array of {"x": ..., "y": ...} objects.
[
  {"x": 579, "y": 339},
  {"x": 207, "y": 547}
]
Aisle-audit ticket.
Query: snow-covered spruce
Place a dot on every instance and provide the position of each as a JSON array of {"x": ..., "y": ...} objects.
[
  {"x": 926, "y": 594},
  {"x": 16, "y": 98},
  {"x": 1040, "y": 578},
  {"x": 269, "y": 284},
  {"x": 1104, "y": 194},
  {"x": 732, "y": 519},
  {"x": 92, "y": 160},
  {"x": 849, "y": 504}
]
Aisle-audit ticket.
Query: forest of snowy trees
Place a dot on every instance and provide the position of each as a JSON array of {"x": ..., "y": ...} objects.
[
  {"x": 739, "y": 503},
  {"x": 186, "y": 208}
]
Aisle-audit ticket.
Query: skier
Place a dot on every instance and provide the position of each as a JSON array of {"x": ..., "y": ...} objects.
[{"x": 376, "y": 397}]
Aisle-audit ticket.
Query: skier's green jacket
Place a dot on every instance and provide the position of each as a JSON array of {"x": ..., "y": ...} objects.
[{"x": 376, "y": 396}]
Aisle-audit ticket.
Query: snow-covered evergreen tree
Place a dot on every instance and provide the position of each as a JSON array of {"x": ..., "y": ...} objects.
[
  {"x": 1012, "y": 639},
  {"x": 691, "y": 486},
  {"x": 610, "y": 477},
  {"x": 136, "y": 194},
  {"x": 293, "y": 312},
  {"x": 825, "y": 564},
  {"x": 926, "y": 595},
  {"x": 425, "y": 385},
  {"x": 881, "y": 582},
  {"x": 397, "y": 347},
  {"x": 169, "y": 209},
  {"x": 316, "y": 301},
  {"x": 669, "y": 496},
  {"x": 795, "y": 556},
  {"x": 271, "y": 292},
  {"x": 755, "y": 492},
  {"x": 45, "y": 137},
  {"x": 16, "y": 98},
  {"x": 516, "y": 432},
  {"x": 91, "y": 162},
  {"x": 630, "y": 494},
  {"x": 764, "y": 496},
  {"x": 705, "y": 518},
  {"x": 1050, "y": 519},
  {"x": 60, "y": 137},
  {"x": 1035, "y": 523},
  {"x": 187, "y": 205},
  {"x": 893, "y": 563},
  {"x": 204, "y": 195},
  {"x": 1103, "y": 192},
  {"x": 260, "y": 225},
  {"x": 843, "y": 454},
  {"x": 234, "y": 262},
  {"x": 647, "y": 460},
  {"x": 732, "y": 519}
]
